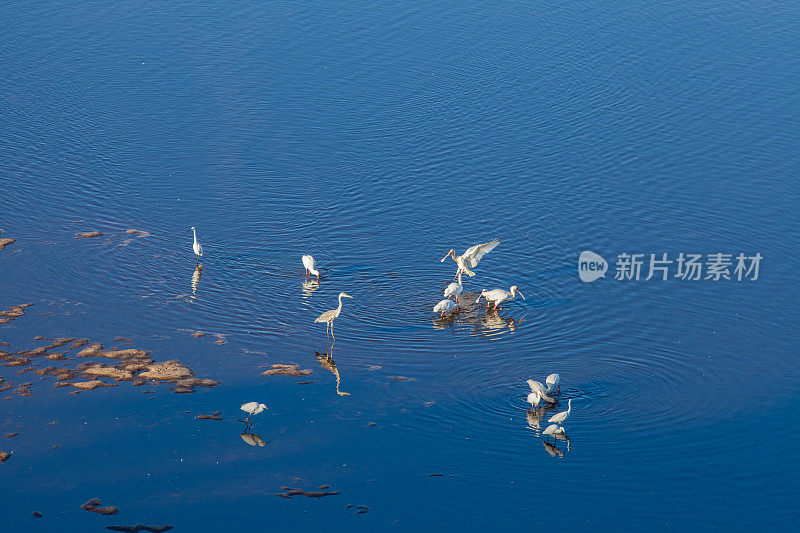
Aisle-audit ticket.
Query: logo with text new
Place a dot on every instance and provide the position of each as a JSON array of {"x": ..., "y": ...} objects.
[{"x": 591, "y": 266}]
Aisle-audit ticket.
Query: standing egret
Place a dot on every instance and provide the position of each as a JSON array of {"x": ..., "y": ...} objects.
[
  {"x": 559, "y": 418},
  {"x": 444, "y": 306},
  {"x": 310, "y": 264},
  {"x": 536, "y": 386},
  {"x": 534, "y": 398},
  {"x": 454, "y": 289},
  {"x": 555, "y": 431},
  {"x": 197, "y": 247},
  {"x": 329, "y": 316},
  {"x": 499, "y": 295},
  {"x": 472, "y": 256},
  {"x": 252, "y": 408},
  {"x": 553, "y": 382}
]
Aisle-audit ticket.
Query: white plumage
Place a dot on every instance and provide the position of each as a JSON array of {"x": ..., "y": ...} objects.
[
  {"x": 252, "y": 408},
  {"x": 553, "y": 381},
  {"x": 455, "y": 288},
  {"x": 444, "y": 306},
  {"x": 196, "y": 247},
  {"x": 536, "y": 386},
  {"x": 472, "y": 256},
  {"x": 555, "y": 430},
  {"x": 559, "y": 418},
  {"x": 310, "y": 264},
  {"x": 534, "y": 398},
  {"x": 499, "y": 295}
]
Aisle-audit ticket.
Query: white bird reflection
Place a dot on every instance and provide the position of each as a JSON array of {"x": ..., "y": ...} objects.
[
  {"x": 309, "y": 287},
  {"x": 196, "y": 279},
  {"x": 252, "y": 439},
  {"x": 553, "y": 450},
  {"x": 534, "y": 417}
]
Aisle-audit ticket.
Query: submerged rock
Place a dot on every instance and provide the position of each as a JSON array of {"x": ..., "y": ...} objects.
[
  {"x": 6, "y": 242},
  {"x": 90, "y": 350},
  {"x": 93, "y": 384},
  {"x": 4, "y": 456},
  {"x": 309, "y": 494},
  {"x": 108, "y": 371},
  {"x": 140, "y": 527},
  {"x": 166, "y": 371},
  {"x": 286, "y": 370},
  {"x": 93, "y": 506},
  {"x": 88, "y": 234},
  {"x": 212, "y": 416}
]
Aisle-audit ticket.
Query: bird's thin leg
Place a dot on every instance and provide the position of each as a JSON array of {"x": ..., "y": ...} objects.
[{"x": 332, "y": 335}]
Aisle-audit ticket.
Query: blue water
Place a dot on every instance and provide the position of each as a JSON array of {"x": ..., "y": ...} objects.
[{"x": 376, "y": 137}]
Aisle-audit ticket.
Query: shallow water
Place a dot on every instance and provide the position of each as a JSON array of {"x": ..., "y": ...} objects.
[{"x": 377, "y": 138}]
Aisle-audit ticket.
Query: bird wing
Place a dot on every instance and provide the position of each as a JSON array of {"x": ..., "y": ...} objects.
[
  {"x": 473, "y": 255},
  {"x": 326, "y": 316}
]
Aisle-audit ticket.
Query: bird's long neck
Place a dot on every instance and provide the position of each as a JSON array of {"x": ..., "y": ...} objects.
[
  {"x": 513, "y": 293},
  {"x": 339, "y": 309},
  {"x": 569, "y": 405},
  {"x": 459, "y": 276},
  {"x": 194, "y": 232}
]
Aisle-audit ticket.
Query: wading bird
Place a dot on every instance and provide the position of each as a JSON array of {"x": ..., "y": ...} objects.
[
  {"x": 534, "y": 398},
  {"x": 536, "y": 386},
  {"x": 310, "y": 264},
  {"x": 472, "y": 256},
  {"x": 252, "y": 408},
  {"x": 559, "y": 418},
  {"x": 555, "y": 431},
  {"x": 454, "y": 289},
  {"x": 329, "y": 316},
  {"x": 553, "y": 382},
  {"x": 499, "y": 296},
  {"x": 197, "y": 247},
  {"x": 444, "y": 306}
]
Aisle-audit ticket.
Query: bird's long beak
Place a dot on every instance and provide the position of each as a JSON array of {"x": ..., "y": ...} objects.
[
  {"x": 445, "y": 257},
  {"x": 346, "y": 295},
  {"x": 523, "y": 297}
]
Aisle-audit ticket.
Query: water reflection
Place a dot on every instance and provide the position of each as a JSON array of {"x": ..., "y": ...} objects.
[
  {"x": 196, "y": 279},
  {"x": 252, "y": 439},
  {"x": 493, "y": 321},
  {"x": 552, "y": 449},
  {"x": 482, "y": 321},
  {"x": 534, "y": 417},
  {"x": 326, "y": 361},
  {"x": 309, "y": 287}
]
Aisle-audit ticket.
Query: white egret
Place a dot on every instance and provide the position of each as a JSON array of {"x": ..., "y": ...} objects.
[
  {"x": 472, "y": 256},
  {"x": 197, "y": 247},
  {"x": 329, "y": 316},
  {"x": 534, "y": 398},
  {"x": 444, "y": 306},
  {"x": 499, "y": 295},
  {"x": 252, "y": 408},
  {"x": 555, "y": 431},
  {"x": 310, "y": 264},
  {"x": 454, "y": 289},
  {"x": 536, "y": 386},
  {"x": 559, "y": 418},
  {"x": 553, "y": 382}
]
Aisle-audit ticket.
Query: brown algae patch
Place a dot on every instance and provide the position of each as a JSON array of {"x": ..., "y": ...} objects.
[
  {"x": 5, "y": 242},
  {"x": 88, "y": 235}
]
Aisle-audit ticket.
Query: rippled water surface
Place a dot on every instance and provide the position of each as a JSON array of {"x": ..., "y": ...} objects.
[{"x": 376, "y": 137}]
